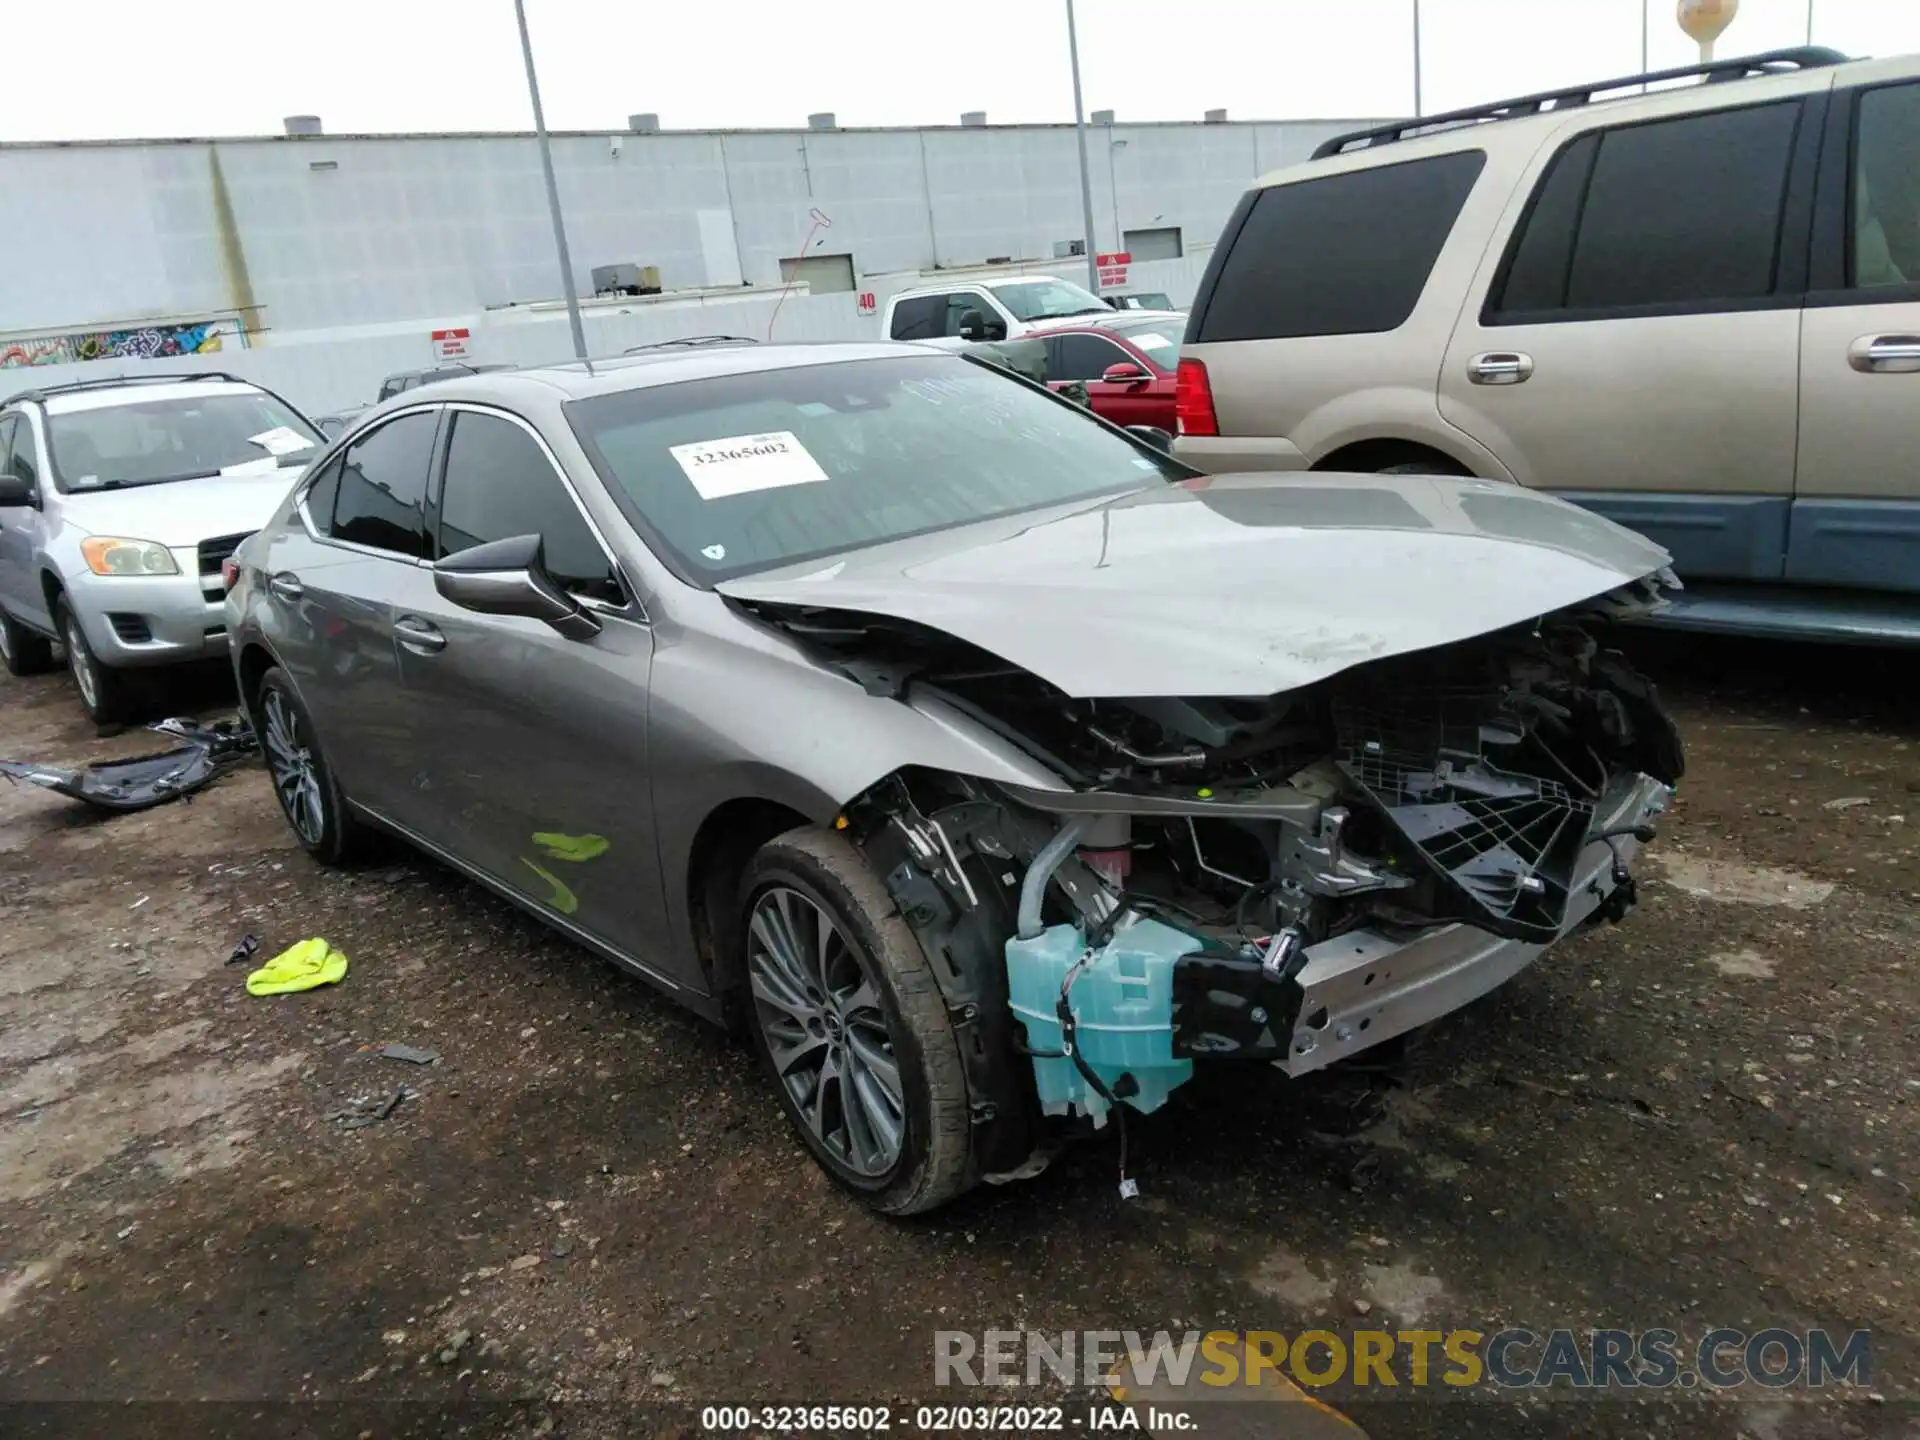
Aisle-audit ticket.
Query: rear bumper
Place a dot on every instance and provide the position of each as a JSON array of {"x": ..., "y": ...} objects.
[
  {"x": 1363, "y": 988},
  {"x": 1236, "y": 454}
]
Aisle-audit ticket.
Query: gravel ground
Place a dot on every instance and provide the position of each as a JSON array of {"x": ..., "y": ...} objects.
[{"x": 588, "y": 1218}]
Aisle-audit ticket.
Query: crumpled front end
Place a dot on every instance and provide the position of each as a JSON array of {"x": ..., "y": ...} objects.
[{"x": 1289, "y": 878}]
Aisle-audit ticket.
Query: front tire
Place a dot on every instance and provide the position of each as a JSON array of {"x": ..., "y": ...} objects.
[
  {"x": 106, "y": 694},
  {"x": 23, "y": 651},
  {"x": 302, "y": 782},
  {"x": 851, "y": 1026}
]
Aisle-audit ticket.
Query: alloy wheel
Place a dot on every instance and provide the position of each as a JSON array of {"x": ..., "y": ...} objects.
[
  {"x": 822, "y": 1018},
  {"x": 80, "y": 663},
  {"x": 296, "y": 776}
]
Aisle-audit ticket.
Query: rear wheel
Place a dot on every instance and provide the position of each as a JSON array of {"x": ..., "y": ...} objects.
[
  {"x": 107, "y": 695},
  {"x": 851, "y": 1026},
  {"x": 302, "y": 783},
  {"x": 23, "y": 651}
]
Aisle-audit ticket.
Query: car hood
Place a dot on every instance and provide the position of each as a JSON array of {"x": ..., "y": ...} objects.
[
  {"x": 1234, "y": 585},
  {"x": 184, "y": 512}
]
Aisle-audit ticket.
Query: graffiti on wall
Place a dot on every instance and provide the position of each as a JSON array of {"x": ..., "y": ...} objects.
[{"x": 141, "y": 342}]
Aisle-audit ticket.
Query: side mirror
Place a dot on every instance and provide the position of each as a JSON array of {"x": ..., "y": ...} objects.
[
  {"x": 509, "y": 577},
  {"x": 1153, "y": 435},
  {"x": 976, "y": 325},
  {"x": 15, "y": 491},
  {"x": 1124, "y": 372}
]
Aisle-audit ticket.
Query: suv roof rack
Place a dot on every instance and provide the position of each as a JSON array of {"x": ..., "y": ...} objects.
[
  {"x": 107, "y": 382},
  {"x": 1771, "y": 62},
  {"x": 688, "y": 342}
]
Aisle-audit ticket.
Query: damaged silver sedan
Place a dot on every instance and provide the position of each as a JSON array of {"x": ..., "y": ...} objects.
[{"x": 986, "y": 765}]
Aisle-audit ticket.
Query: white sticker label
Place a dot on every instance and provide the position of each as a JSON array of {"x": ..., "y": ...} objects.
[
  {"x": 740, "y": 464},
  {"x": 714, "y": 552},
  {"x": 281, "y": 440},
  {"x": 1152, "y": 342}
]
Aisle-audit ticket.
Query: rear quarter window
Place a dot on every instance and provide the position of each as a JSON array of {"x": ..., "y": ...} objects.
[{"x": 1348, "y": 254}]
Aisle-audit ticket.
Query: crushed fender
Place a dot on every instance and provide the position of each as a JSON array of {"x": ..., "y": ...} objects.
[{"x": 144, "y": 781}]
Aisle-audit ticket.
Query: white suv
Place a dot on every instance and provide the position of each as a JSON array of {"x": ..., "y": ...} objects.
[
  {"x": 1695, "y": 310},
  {"x": 120, "y": 500}
]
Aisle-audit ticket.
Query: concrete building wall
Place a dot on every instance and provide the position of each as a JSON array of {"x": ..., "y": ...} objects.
[{"x": 321, "y": 233}]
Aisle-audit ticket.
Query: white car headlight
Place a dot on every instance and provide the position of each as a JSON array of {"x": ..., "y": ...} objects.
[{"x": 112, "y": 555}]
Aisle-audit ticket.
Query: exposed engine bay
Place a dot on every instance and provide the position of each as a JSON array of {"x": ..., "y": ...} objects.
[{"x": 1288, "y": 878}]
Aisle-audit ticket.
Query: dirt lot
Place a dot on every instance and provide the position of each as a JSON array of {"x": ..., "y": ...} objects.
[{"x": 588, "y": 1217}]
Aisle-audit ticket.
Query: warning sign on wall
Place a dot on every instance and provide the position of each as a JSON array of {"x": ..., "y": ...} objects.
[
  {"x": 450, "y": 344},
  {"x": 1112, "y": 267}
]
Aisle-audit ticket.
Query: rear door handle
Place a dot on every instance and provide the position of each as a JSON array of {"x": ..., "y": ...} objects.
[
  {"x": 1499, "y": 367},
  {"x": 417, "y": 634},
  {"x": 286, "y": 586},
  {"x": 1885, "y": 354}
]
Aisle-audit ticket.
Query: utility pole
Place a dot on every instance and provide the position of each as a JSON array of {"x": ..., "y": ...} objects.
[
  {"x": 1080, "y": 132},
  {"x": 553, "y": 189}
]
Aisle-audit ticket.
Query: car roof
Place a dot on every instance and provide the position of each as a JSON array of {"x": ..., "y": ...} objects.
[
  {"x": 107, "y": 397},
  {"x": 577, "y": 379},
  {"x": 967, "y": 282}
]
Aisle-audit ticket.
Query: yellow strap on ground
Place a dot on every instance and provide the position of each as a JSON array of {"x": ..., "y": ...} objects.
[{"x": 303, "y": 966}]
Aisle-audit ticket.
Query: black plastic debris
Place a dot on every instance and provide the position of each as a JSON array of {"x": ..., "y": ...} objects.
[
  {"x": 248, "y": 947},
  {"x": 144, "y": 781},
  {"x": 412, "y": 1054},
  {"x": 362, "y": 1112}
]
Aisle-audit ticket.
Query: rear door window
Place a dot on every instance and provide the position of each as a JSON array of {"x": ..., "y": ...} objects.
[
  {"x": 920, "y": 318},
  {"x": 1672, "y": 214},
  {"x": 1344, "y": 255},
  {"x": 500, "y": 485},
  {"x": 383, "y": 488}
]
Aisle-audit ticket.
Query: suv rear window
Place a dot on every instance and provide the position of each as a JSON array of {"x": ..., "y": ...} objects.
[{"x": 1345, "y": 255}]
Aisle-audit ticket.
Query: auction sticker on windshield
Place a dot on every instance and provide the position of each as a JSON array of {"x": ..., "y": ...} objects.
[{"x": 740, "y": 464}]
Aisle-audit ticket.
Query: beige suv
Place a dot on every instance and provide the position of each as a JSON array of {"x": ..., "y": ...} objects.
[{"x": 1694, "y": 308}]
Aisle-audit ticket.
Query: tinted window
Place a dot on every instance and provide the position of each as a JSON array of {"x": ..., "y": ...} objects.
[
  {"x": 920, "y": 318},
  {"x": 383, "y": 488},
  {"x": 1084, "y": 357},
  {"x": 743, "y": 472},
  {"x": 322, "y": 491},
  {"x": 1684, "y": 211},
  {"x": 1886, "y": 188},
  {"x": 1346, "y": 255},
  {"x": 1536, "y": 277},
  {"x": 16, "y": 447},
  {"x": 500, "y": 484}
]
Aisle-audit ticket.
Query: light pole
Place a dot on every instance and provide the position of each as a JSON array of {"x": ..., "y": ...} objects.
[
  {"x": 1416, "y": 59},
  {"x": 553, "y": 189},
  {"x": 1080, "y": 132}
]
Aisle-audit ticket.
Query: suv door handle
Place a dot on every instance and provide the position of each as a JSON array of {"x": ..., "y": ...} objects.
[
  {"x": 1499, "y": 367},
  {"x": 1885, "y": 354},
  {"x": 417, "y": 634},
  {"x": 286, "y": 586}
]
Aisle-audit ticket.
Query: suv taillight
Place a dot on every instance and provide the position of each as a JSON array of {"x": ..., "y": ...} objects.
[{"x": 1193, "y": 400}]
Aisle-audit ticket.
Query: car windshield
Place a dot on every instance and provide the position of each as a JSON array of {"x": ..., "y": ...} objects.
[
  {"x": 1048, "y": 299},
  {"x": 152, "y": 442},
  {"x": 1158, "y": 340},
  {"x": 751, "y": 471}
]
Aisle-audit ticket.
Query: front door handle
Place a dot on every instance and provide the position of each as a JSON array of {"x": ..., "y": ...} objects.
[
  {"x": 1499, "y": 367},
  {"x": 1885, "y": 354},
  {"x": 420, "y": 635},
  {"x": 286, "y": 586}
]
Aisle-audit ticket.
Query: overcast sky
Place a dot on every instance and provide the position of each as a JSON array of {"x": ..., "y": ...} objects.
[{"x": 95, "y": 69}]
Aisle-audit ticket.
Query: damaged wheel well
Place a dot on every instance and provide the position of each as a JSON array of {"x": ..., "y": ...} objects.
[{"x": 726, "y": 841}]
